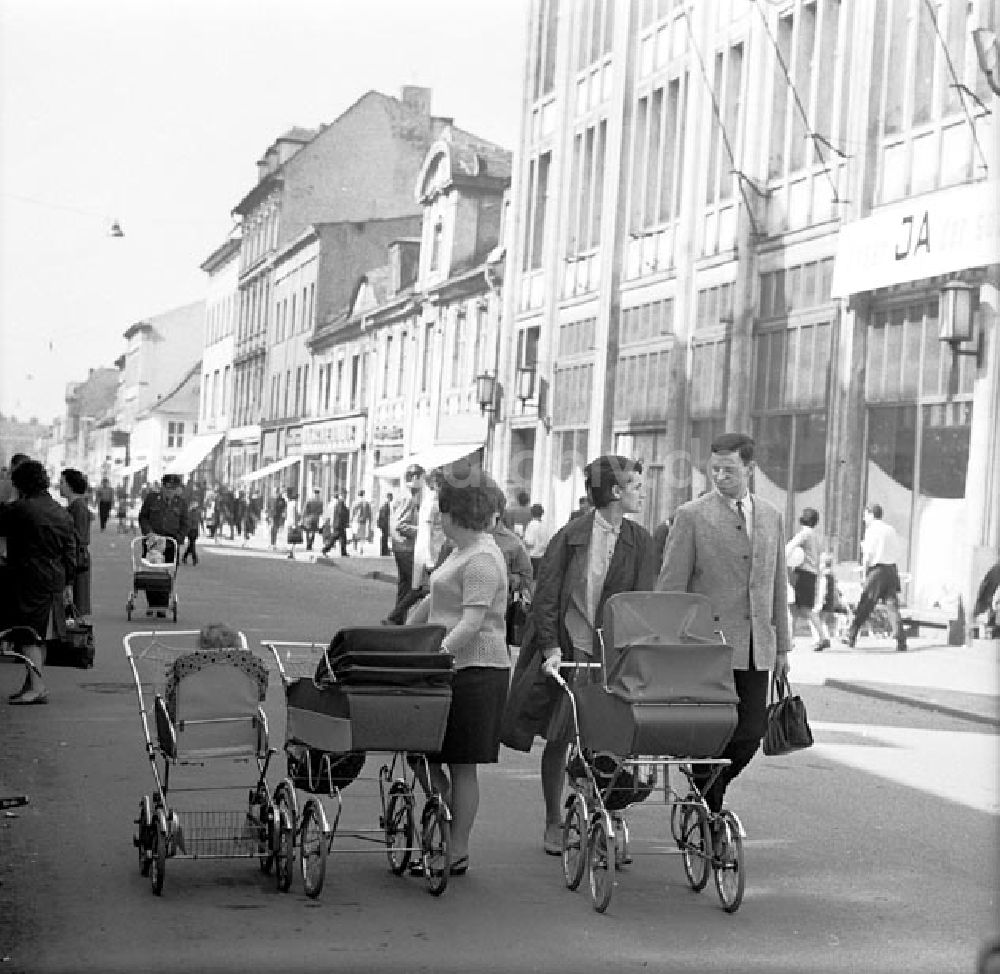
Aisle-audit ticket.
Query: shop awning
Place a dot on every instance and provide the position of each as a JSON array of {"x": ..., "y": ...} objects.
[
  {"x": 271, "y": 468},
  {"x": 434, "y": 456},
  {"x": 193, "y": 452}
]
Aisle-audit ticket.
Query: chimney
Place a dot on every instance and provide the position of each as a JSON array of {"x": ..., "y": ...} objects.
[{"x": 417, "y": 99}]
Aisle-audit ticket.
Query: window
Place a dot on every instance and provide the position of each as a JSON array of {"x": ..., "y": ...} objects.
[
  {"x": 298, "y": 390},
  {"x": 355, "y": 380},
  {"x": 312, "y": 299},
  {"x": 401, "y": 374},
  {"x": 224, "y": 408},
  {"x": 305, "y": 391},
  {"x": 926, "y": 136},
  {"x": 338, "y": 398},
  {"x": 587, "y": 188},
  {"x": 534, "y": 225},
  {"x": 479, "y": 341},
  {"x": 288, "y": 389},
  {"x": 595, "y": 30},
  {"x": 575, "y": 337},
  {"x": 436, "y": 235},
  {"x": 425, "y": 369},
  {"x": 387, "y": 366},
  {"x": 457, "y": 350},
  {"x": 813, "y": 42},
  {"x": 657, "y": 156},
  {"x": 644, "y": 321},
  {"x": 215, "y": 393},
  {"x": 527, "y": 347},
  {"x": 544, "y": 68},
  {"x": 291, "y": 321},
  {"x": 727, "y": 87},
  {"x": 175, "y": 435}
]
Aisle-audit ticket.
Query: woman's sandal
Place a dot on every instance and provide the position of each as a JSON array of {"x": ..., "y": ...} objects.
[{"x": 460, "y": 866}]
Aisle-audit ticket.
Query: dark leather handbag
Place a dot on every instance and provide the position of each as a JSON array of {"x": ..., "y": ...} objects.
[
  {"x": 77, "y": 648},
  {"x": 295, "y": 534},
  {"x": 787, "y": 725}
]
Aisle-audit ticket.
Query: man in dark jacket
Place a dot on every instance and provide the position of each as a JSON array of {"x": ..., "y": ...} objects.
[
  {"x": 165, "y": 512},
  {"x": 277, "y": 513},
  {"x": 311, "y": 515},
  {"x": 383, "y": 524},
  {"x": 593, "y": 557}
]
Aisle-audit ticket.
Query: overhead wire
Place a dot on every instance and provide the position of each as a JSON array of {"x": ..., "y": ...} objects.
[
  {"x": 817, "y": 140},
  {"x": 741, "y": 176}
]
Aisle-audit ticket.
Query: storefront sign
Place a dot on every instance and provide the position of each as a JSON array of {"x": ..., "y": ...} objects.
[
  {"x": 926, "y": 236},
  {"x": 337, "y": 435}
]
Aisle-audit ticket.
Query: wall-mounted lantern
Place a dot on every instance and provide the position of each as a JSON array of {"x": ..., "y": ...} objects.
[
  {"x": 955, "y": 317},
  {"x": 486, "y": 392}
]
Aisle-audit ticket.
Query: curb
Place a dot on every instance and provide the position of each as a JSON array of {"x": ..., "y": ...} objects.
[{"x": 931, "y": 705}]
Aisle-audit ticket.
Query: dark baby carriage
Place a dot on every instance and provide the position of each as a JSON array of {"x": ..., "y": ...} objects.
[
  {"x": 154, "y": 571},
  {"x": 371, "y": 690},
  {"x": 662, "y": 697}
]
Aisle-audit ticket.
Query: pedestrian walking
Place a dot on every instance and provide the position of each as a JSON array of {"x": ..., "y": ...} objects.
[
  {"x": 40, "y": 564},
  {"x": 73, "y": 486},
  {"x": 361, "y": 520},
  {"x": 833, "y": 610},
  {"x": 105, "y": 501},
  {"x": 804, "y": 550},
  {"x": 729, "y": 545},
  {"x": 384, "y": 512},
  {"x": 879, "y": 548},
  {"x": 591, "y": 558},
  {"x": 276, "y": 515},
  {"x": 518, "y": 516},
  {"x": 468, "y": 595},
  {"x": 536, "y": 536},
  {"x": 338, "y": 520},
  {"x": 193, "y": 529},
  {"x": 403, "y": 527},
  {"x": 164, "y": 512},
  {"x": 311, "y": 515}
]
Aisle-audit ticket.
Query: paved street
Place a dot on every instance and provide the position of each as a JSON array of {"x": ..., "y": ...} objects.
[{"x": 873, "y": 851}]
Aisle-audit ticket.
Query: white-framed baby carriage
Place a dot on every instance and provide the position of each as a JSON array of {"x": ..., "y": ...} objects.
[
  {"x": 661, "y": 699},
  {"x": 385, "y": 690},
  {"x": 155, "y": 560},
  {"x": 201, "y": 711}
]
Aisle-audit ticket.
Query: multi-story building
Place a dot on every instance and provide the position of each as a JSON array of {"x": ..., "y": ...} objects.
[
  {"x": 358, "y": 168},
  {"x": 397, "y": 369},
  {"x": 89, "y": 406},
  {"x": 780, "y": 218},
  {"x": 160, "y": 353},
  {"x": 215, "y": 411}
]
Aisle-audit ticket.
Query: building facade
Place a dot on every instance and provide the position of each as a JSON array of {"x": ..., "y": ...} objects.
[{"x": 699, "y": 194}]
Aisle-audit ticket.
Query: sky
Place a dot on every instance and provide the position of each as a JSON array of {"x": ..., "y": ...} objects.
[{"x": 154, "y": 113}]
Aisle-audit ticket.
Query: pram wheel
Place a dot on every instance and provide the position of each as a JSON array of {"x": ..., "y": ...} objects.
[
  {"x": 601, "y": 854},
  {"x": 694, "y": 841},
  {"x": 574, "y": 841},
  {"x": 400, "y": 826},
  {"x": 435, "y": 840},
  {"x": 158, "y": 863},
  {"x": 144, "y": 837},
  {"x": 313, "y": 849},
  {"x": 284, "y": 844},
  {"x": 730, "y": 880}
]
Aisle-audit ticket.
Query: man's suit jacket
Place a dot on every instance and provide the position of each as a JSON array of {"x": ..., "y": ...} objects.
[{"x": 708, "y": 552}]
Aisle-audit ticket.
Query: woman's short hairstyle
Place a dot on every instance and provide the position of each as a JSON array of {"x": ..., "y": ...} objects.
[
  {"x": 605, "y": 473},
  {"x": 471, "y": 505},
  {"x": 30, "y": 479},
  {"x": 809, "y": 517},
  {"x": 76, "y": 480}
]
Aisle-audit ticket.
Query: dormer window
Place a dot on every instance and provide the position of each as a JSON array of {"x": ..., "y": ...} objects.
[{"x": 437, "y": 235}]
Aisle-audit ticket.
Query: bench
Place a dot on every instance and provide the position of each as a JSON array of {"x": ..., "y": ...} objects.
[{"x": 915, "y": 618}]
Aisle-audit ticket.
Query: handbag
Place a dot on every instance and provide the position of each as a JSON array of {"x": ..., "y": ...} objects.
[
  {"x": 295, "y": 534},
  {"x": 76, "y": 648},
  {"x": 787, "y": 724},
  {"x": 517, "y": 617}
]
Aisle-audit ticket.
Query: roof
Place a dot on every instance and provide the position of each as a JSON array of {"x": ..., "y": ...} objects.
[{"x": 193, "y": 373}]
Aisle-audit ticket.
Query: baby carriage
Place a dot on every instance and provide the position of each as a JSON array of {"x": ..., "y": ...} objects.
[
  {"x": 663, "y": 698},
  {"x": 204, "y": 706},
  {"x": 155, "y": 559},
  {"x": 384, "y": 690}
]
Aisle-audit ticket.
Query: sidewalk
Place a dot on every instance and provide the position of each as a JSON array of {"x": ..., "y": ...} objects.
[{"x": 962, "y": 681}]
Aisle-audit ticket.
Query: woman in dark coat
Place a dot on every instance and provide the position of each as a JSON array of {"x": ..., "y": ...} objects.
[
  {"x": 41, "y": 561},
  {"x": 73, "y": 486},
  {"x": 561, "y": 624}
]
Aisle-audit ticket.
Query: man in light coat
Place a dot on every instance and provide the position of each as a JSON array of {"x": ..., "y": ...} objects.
[{"x": 729, "y": 545}]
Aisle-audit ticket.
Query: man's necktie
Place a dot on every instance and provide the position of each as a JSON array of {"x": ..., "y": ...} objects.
[{"x": 741, "y": 513}]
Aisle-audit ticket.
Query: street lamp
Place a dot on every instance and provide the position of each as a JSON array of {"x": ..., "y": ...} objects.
[
  {"x": 955, "y": 317},
  {"x": 486, "y": 393}
]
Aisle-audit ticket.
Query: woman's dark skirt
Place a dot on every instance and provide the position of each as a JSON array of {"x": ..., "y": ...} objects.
[
  {"x": 805, "y": 589},
  {"x": 472, "y": 736}
]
